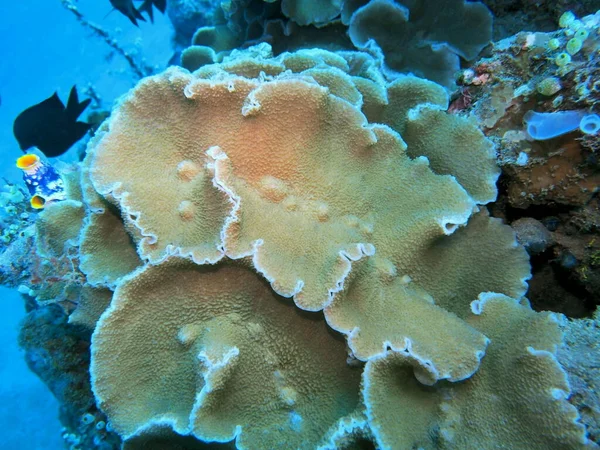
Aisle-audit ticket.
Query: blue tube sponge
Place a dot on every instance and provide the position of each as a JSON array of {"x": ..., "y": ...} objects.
[
  {"x": 541, "y": 126},
  {"x": 590, "y": 124}
]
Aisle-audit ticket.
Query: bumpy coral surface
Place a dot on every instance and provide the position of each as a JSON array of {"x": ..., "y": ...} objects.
[
  {"x": 519, "y": 391},
  {"x": 306, "y": 177},
  {"x": 424, "y": 37},
  {"x": 580, "y": 356},
  {"x": 239, "y": 362},
  {"x": 217, "y": 186}
]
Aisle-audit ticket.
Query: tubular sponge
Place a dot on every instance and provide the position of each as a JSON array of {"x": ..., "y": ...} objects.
[
  {"x": 590, "y": 124},
  {"x": 541, "y": 126}
]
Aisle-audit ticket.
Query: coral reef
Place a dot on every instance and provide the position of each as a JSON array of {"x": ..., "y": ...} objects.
[
  {"x": 553, "y": 181},
  {"x": 512, "y": 16},
  {"x": 306, "y": 249},
  {"x": 411, "y": 39},
  {"x": 467, "y": 415},
  {"x": 59, "y": 354},
  {"x": 408, "y": 34},
  {"x": 202, "y": 341},
  {"x": 187, "y": 16},
  {"x": 16, "y": 213},
  {"x": 235, "y": 362},
  {"x": 579, "y": 355},
  {"x": 217, "y": 194}
]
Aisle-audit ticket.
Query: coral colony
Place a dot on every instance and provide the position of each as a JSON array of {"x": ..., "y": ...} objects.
[{"x": 296, "y": 239}]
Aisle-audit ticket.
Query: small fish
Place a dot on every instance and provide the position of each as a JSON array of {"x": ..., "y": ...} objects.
[
  {"x": 50, "y": 126},
  {"x": 161, "y": 5},
  {"x": 44, "y": 183},
  {"x": 127, "y": 8}
]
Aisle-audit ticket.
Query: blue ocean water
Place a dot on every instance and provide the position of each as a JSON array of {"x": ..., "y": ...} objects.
[
  {"x": 28, "y": 415},
  {"x": 45, "y": 49}
]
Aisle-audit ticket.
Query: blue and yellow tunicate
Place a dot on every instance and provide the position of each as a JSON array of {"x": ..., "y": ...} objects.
[{"x": 42, "y": 180}]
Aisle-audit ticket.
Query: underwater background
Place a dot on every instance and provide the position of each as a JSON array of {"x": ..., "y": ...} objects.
[
  {"x": 485, "y": 117},
  {"x": 45, "y": 50}
]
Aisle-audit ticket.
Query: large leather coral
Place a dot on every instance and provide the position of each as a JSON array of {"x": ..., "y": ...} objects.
[
  {"x": 517, "y": 398},
  {"x": 426, "y": 38},
  {"x": 423, "y": 37},
  {"x": 272, "y": 162},
  {"x": 222, "y": 357},
  {"x": 288, "y": 174}
]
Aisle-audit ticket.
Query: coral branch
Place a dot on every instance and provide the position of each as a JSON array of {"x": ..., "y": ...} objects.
[{"x": 140, "y": 70}]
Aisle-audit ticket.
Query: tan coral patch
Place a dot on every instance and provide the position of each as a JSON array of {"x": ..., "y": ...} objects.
[
  {"x": 226, "y": 359},
  {"x": 309, "y": 187},
  {"x": 518, "y": 396}
]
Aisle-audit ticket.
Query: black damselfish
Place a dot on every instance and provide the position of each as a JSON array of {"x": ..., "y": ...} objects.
[
  {"x": 127, "y": 8},
  {"x": 161, "y": 5},
  {"x": 51, "y": 127}
]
